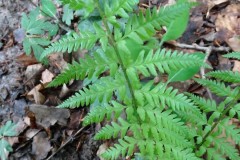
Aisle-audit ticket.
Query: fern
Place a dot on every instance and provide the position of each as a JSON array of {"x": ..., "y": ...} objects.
[
  {"x": 149, "y": 121},
  {"x": 235, "y": 55},
  {"x": 101, "y": 91},
  {"x": 227, "y": 76},
  {"x": 164, "y": 61},
  {"x": 219, "y": 88},
  {"x": 90, "y": 66}
]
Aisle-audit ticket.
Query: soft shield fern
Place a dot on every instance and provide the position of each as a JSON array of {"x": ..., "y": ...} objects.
[{"x": 149, "y": 120}]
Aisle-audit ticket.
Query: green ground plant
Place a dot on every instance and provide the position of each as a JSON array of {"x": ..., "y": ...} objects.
[
  {"x": 7, "y": 130},
  {"x": 148, "y": 120}
]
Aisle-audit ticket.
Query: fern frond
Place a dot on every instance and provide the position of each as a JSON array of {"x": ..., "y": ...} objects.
[
  {"x": 204, "y": 104},
  {"x": 164, "y": 119},
  {"x": 102, "y": 90},
  {"x": 212, "y": 154},
  {"x": 89, "y": 66},
  {"x": 164, "y": 61},
  {"x": 140, "y": 28},
  {"x": 162, "y": 95},
  {"x": 235, "y": 55},
  {"x": 97, "y": 114},
  {"x": 231, "y": 130},
  {"x": 218, "y": 88},
  {"x": 86, "y": 6},
  {"x": 113, "y": 130},
  {"x": 73, "y": 71},
  {"x": 118, "y": 7},
  {"x": 226, "y": 148},
  {"x": 168, "y": 97},
  {"x": 73, "y": 42},
  {"x": 227, "y": 76},
  {"x": 124, "y": 146}
]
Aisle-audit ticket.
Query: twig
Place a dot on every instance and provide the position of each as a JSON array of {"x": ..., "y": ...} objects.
[
  {"x": 197, "y": 47},
  {"x": 207, "y": 50},
  {"x": 66, "y": 143},
  {"x": 202, "y": 70}
]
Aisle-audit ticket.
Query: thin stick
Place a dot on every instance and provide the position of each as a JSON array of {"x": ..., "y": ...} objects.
[
  {"x": 66, "y": 143},
  {"x": 200, "y": 48}
]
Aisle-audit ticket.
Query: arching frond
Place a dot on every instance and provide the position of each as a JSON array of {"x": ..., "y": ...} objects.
[
  {"x": 219, "y": 88},
  {"x": 227, "y": 76},
  {"x": 102, "y": 90},
  {"x": 162, "y": 95},
  {"x": 164, "y": 61},
  {"x": 231, "y": 130},
  {"x": 118, "y": 7},
  {"x": 114, "y": 130},
  {"x": 140, "y": 28},
  {"x": 73, "y": 42},
  {"x": 235, "y": 55},
  {"x": 87, "y": 6},
  {"x": 203, "y": 104},
  {"x": 97, "y": 114},
  {"x": 226, "y": 148},
  {"x": 91, "y": 65},
  {"x": 123, "y": 147}
]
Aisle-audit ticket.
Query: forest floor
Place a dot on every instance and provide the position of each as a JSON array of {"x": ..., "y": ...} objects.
[{"x": 45, "y": 132}]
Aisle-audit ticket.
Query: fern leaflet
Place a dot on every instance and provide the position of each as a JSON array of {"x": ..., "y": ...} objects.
[
  {"x": 227, "y": 76},
  {"x": 235, "y": 55}
]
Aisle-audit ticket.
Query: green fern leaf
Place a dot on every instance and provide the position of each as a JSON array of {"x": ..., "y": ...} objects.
[
  {"x": 164, "y": 61},
  {"x": 162, "y": 95},
  {"x": 86, "y": 6},
  {"x": 102, "y": 90},
  {"x": 205, "y": 105},
  {"x": 227, "y": 76},
  {"x": 213, "y": 155},
  {"x": 125, "y": 146},
  {"x": 113, "y": 130},
  {"x": 118, "y": 7},
  {"x": 72, "y": 72},
  {"x": 231, "y": 130},
  {"x": 226, "y": 148},
  {"x": 140, "y": 28},
  {"x": 97, "y": 114},
  {"x": 151, "y": 149},
  {"x": 235, "y": 55},
  {"x": 72, "y": 43},
  {"x": 90, "y": 66},
  {"x": 218, "y": 88}
]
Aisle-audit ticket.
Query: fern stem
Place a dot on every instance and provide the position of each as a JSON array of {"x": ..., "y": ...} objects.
[
  {"x": 222, "y": 116},
  {"x": 114, "y": 45}
]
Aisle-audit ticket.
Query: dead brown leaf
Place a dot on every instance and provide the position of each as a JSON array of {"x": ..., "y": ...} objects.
[
  {"x": 47, "y": 77},
  {"x": 234, "y": 43},
  {"x": 35, "y": 95},
  {"x": 57, "y": 61},
  {"x": 236, "y": 67},
  {"x": 32, "y": 70},
  {"x": 26, "y": 60},
  {"x": 229, "y": 22},
  {"x": 48, "y": 116},
  {"x": 41, "y": 146}
]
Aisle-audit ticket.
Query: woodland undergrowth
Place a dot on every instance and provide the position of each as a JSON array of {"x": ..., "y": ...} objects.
[{"x": 147, "y": 119}]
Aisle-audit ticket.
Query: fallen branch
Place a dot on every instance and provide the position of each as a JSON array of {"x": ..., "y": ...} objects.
[{"x": 200, "y": 48}]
